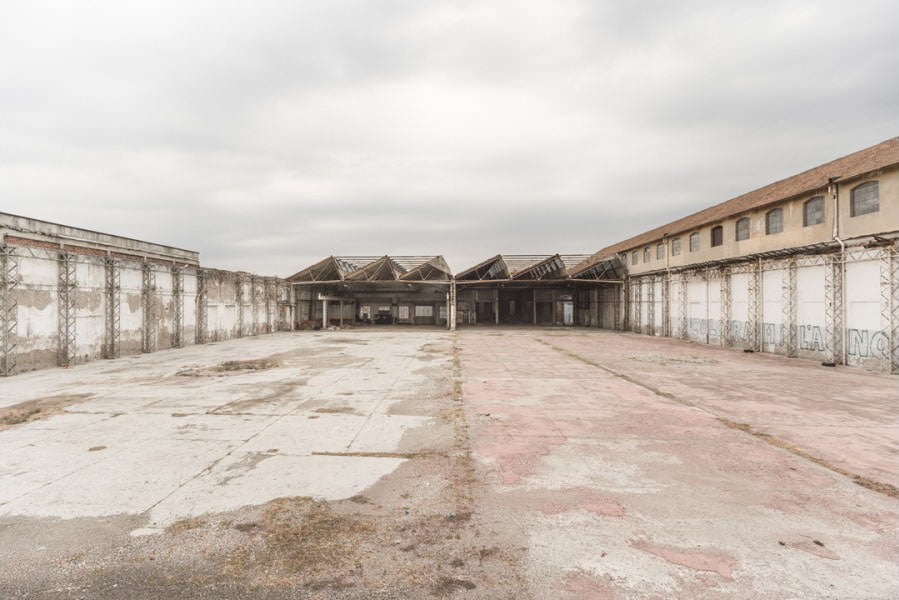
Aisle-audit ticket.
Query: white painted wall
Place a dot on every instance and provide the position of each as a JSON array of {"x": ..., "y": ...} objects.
[
  {"x": 865, "y": 341},
  {"x": 772, "y": 310},
  {"x": 867, "y": 296},
  {"x": 810, "y": 325},
  {"x": 739, "y": 310}
]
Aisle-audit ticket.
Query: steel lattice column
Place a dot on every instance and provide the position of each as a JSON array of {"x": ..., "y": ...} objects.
[
  {"x": 177, "y": 306},
  {"x": 789, "y": 309},
  {"x": 833, "y": 310},
  {"x": 113, "y": 308},
  {"x": 270, "y": 295},
  {"x": 651, "y": 306},
  {"x": 888, "y": 310},
  {"x": 254, "y": 293},
  {"x": 666, "y": 305},
  {"x": 638, "y": 305},
  {"x": 202, "y": 307},
  {"x": 894, "y": 309},
  {"x": 684, "y": 331},
  {"x": 724, "y": 327},
  {"x": 240, "y": 316},
  {"x": 622, "y": 308},
  {"x": 10, "y": 310},
  {"x": 66, "y": 323},
  {"x": 752, "y": 309},
  {"x": 148, "y": 295}
]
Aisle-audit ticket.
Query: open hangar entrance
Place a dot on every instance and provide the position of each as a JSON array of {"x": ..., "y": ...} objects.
[
  {"x": 558, "y": 289},
  {"x": 371, "y": 290}
]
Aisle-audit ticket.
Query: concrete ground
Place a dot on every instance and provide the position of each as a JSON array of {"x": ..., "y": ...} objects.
[{"x": 414, "y": 463}]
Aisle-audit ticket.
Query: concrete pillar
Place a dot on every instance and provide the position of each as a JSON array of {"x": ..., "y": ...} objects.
[
  {"x": 451, "y": 314},
  {"x": 341, "y": 313},
  {"x": 324, "y": 314},
  {"x": 534, "y": 303},
  {"x": 496, "y": 306}
]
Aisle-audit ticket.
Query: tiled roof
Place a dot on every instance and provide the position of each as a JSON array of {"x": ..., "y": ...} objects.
[{"x": 884, "y": 154}]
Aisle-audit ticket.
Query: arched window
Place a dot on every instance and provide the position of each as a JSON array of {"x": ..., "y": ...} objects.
[
  {"x": 742, "y": 228},
  {"x": 647, "y": 255},
  {"x": 717, "y": 235},
  {"x": 660, "y": 251},
  {"x": 774, "y": 221},
  {"x": 813, "y": 211},
  {"x": 635, "y": 256},
  {"x": 675, "y": 247},
  {"x": 694, "y": 241},
  {"x": 865, "y": 199}
]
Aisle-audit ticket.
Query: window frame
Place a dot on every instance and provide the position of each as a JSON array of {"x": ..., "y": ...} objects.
[
  {"x": 635, "y": 257},
  {"x": 748, "y": 222},
  {"x": 719, "y": 229},
  {"x": 694, "y": 236},
  {"x": 647, "y": 254},
  {"x": 875, "y": 185},
  {"x": 779, "y": 211},
  {"x": 818, "y": 200},
  {"x": 660, "y": 250},
  {"x": 675, "y": 246}
]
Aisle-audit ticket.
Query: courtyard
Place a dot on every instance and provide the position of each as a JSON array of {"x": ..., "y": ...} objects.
[{"x": 485, "y": 463}]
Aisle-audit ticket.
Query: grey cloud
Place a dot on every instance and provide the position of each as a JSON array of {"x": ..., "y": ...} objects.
[{"x": 268, "y": 135}]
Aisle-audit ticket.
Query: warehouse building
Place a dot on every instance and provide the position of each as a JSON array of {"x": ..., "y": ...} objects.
[
  {"x": 72, "y": 295},
  {"x": 804, "y": 267},
  {"x": 532, "y": 289},
  {"x": 373, "y": 290}
]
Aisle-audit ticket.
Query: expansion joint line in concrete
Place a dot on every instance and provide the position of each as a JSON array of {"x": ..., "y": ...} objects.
[
  {"x": 877, "y": 486},
  {"x": 378, "y": 405},
  {"x": 208, "y": 468},
  {"x": 9, "y": 270},
  {"x": 462, "y": 465}
]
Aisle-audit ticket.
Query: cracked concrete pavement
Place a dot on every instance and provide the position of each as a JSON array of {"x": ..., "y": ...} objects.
[{"x": 543, "y": 463}]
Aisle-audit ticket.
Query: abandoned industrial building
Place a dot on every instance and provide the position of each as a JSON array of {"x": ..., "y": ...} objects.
[
  {"x": 410, "y": 290},
  {"x": 804, "y": 267},
  {"x": 655, "y": 419}
]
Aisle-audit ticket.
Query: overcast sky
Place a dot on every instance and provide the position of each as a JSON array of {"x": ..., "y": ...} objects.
[{"x": 267, "y": 135}]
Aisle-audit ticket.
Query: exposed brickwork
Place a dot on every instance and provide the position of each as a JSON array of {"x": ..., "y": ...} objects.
[{"x": 18, "y": 241}]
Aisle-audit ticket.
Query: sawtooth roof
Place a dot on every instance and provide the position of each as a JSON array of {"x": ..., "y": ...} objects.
[
  {"x": 374, "y": 268},
  {"x": 513, "y": 266}
]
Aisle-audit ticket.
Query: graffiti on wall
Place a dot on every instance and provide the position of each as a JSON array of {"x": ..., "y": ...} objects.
[
  {"x": 865, "y": 343},
  {"x": 861, "y": 343}
]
